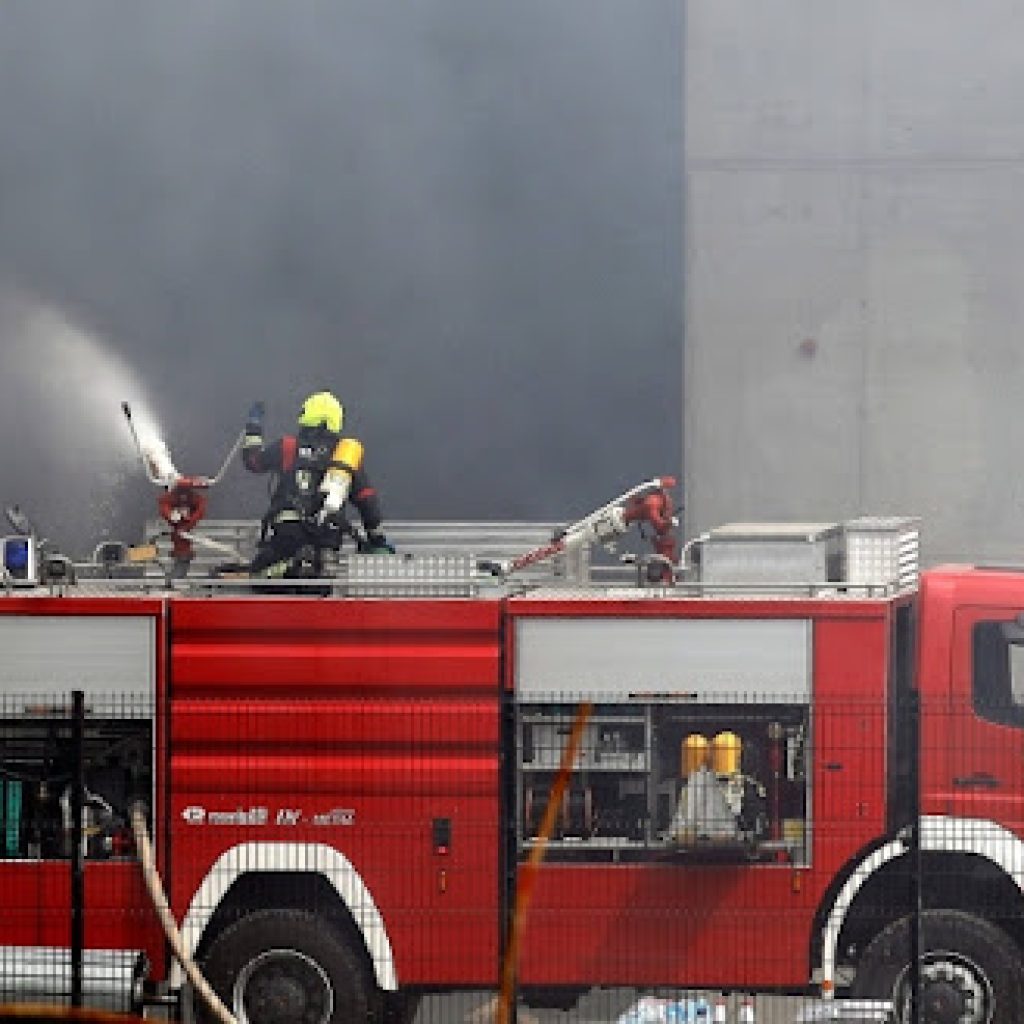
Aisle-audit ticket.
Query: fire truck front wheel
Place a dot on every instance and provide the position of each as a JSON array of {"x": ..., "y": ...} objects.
[
  {"x": 288, "y": 967},
  {"x": 970, "y": 970}
]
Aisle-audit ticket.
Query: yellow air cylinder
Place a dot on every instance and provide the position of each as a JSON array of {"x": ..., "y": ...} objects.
[
  {"x": 726, "y": 749},
  {"x": 349, "y": 452},
  {"x": 347, "y": 458},
  {"x": 695, "y": 753}
]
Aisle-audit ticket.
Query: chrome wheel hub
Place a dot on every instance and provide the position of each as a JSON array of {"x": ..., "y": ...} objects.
[{"x": 282, "y": 986}]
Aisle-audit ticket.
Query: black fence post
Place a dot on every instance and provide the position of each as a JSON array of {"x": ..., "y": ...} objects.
[
  {"x": 76, "y": 838},
  {"x": 914, "y": 853},
  {"x": 509, "y": 855}
]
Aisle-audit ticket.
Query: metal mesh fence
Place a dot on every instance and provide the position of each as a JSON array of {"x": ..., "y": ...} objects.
[
  {"x": 369, "y": 853},
  {"x": 70, "y": 768}
]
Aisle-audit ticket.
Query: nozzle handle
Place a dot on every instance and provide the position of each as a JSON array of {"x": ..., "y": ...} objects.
[
  {"x": 127, "y": 410},
  {"x": 227, "y": 460}
]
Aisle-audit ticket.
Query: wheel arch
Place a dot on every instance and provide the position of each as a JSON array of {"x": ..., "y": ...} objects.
[
  {"x": 967, "y": 863},
  {"x": 950, "y": 880},
  {"x": 302, "y": 876}
]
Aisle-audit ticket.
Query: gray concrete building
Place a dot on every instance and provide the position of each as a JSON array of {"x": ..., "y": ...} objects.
[{"x": 854, "y": 266}]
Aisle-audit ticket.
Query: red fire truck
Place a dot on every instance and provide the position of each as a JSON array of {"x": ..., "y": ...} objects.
[{"x": 791, "y": 744}]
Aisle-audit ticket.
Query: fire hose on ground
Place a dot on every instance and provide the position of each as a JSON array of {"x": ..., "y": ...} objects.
[{"x": 167, "y": 922}]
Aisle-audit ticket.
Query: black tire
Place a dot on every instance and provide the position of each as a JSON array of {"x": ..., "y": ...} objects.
[
  {"x": 288, "y": 967},
  {"x": 971, "y": 971}
]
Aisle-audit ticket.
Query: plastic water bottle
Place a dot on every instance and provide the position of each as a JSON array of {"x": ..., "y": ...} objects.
[
  {"x": 746, "y": 1014},
  {"x": 647, "y": 1010},
  {"x": 688, "y": 1011}
]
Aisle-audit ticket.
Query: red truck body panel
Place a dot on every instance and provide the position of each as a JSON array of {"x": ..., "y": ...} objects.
[
  {"x": 387, "y": 709},
  {"x": 731, "y": 924},
  {"x": 360, "y": 723},
  {"x": 35, "y": 894}
]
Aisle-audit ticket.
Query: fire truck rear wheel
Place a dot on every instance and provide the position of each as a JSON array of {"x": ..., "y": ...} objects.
[
  {"x": 971, "y": 971},
  {"x": 288, "y": 967}
]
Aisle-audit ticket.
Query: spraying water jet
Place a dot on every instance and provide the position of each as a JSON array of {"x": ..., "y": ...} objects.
[
  {"x": 183, "y": 504},
  {"x": 63, "y": 378}
]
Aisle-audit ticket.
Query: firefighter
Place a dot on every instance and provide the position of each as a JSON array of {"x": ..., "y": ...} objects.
[{"x": 317, "y": 470}]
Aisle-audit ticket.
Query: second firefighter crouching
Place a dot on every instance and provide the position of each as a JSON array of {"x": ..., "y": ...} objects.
[{"x": 318, "y": 473}]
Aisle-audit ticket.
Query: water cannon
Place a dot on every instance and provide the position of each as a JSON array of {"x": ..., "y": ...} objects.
[
  {"x": 157, "y": 461},
  {"x": 648, "y": 503},
  {"x": 182, "y": 505}
]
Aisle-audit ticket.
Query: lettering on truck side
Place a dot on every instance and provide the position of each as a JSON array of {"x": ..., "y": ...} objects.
[{"x": 340, "y": 817}]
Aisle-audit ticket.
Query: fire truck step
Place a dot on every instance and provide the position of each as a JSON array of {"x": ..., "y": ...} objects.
[{"x": 112, "y": 979}]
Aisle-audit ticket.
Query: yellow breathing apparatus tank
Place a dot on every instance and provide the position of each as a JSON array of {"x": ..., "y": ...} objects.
[
  {"x": 338, "y": 478},
  {"x": 726, "y": 750},
  {"x": 695, "y": 753},
  {"x": 349, "y": 451}
]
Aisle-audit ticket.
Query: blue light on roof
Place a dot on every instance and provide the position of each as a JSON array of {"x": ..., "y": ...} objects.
[{"x": 16, "y": 554}]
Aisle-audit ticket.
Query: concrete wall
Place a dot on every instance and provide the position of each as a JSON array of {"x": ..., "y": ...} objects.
[{"x": 854, "y": 265}]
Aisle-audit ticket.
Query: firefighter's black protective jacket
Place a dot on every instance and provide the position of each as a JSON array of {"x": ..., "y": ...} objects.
[{"x": 300, "y": 461}]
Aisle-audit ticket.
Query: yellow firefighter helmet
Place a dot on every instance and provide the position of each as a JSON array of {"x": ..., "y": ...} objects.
[{"x": 322, "y": 410}]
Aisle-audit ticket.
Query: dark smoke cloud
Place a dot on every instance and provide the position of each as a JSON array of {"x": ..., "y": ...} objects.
[{"x": 464, "y": 217}]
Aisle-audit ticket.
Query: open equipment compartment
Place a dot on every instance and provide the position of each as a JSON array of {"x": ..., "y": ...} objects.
[
  {"x": 111, "y": 659},
  {"x": 697, "y": 746},
  {"x": 37, "y": 767},
  {"x": 666, "y": 779}
]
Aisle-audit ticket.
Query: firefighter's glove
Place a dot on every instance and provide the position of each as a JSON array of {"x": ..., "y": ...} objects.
[
  {"x": 376, "y": 544},
  {"x": 255, "y": 417}
]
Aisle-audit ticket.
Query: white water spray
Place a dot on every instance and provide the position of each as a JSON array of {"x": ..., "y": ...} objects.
[
  {"x": 67, "y": 449},
  {"x": 153, "y": 450}
]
